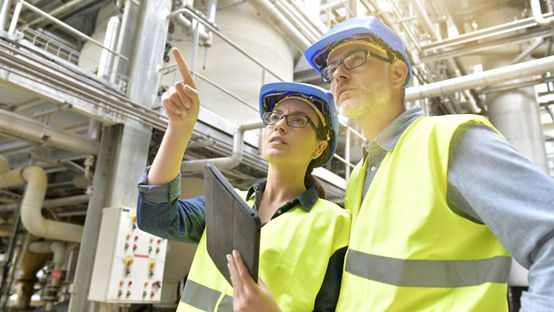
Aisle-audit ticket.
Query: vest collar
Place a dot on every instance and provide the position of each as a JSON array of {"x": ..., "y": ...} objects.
[{"x": 307, "y": 199}]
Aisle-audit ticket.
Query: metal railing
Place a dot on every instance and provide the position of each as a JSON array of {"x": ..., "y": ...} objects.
[{"x": 56, "y": 48}]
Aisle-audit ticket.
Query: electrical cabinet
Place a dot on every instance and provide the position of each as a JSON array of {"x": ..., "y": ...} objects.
[{"x": 129, "y": 263}]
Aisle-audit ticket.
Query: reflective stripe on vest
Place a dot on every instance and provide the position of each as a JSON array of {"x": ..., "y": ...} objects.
[
  {"x": 428, "y": 273},
  {"x": 205, "y": 298}
]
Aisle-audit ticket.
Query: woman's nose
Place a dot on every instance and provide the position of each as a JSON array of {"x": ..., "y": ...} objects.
[{"x": 281, "y": 123}]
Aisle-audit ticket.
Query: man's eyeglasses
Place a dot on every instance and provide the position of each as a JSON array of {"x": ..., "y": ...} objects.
[
  {"x": 351, "y": 61},
  {"x": 295, "y": 120}
]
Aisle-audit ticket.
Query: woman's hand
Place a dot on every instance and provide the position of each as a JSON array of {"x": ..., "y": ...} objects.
[
  {"x": 181, "y": 101},
  {"x": 247, "y": 295}
]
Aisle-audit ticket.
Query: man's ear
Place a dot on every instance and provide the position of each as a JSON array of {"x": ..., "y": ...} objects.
[{"x": 399, "y": 73}]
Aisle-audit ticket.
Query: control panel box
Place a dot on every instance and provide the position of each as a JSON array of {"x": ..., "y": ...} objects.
[{"x": 129, "y": 263}]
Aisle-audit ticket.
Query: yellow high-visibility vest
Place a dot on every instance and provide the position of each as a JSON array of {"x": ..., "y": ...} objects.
[
  {"x": 408, "y": 250},
  {"x": 294, "y": 253}
]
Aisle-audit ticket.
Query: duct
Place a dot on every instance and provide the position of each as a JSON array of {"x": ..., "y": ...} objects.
[
  {"x": 276, "y": 18},
  {"x": 485, "y": 78},
  {"x": 31, "y": 205},
  {"x": 52, "y": 203},
  {"x": 537, "y": 14},
  {"x": 224, "y": 162},
  {"x": 29, "y": 129}
]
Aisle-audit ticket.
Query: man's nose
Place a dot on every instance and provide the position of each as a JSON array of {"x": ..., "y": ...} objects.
[{"x": 340, "y": 72}]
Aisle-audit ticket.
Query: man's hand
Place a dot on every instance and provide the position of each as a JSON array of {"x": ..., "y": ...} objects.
[
  {"x": 247, "y": 295},
  {"x": 181, "y": 101}
]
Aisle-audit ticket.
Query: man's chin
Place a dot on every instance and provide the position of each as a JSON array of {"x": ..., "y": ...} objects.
[{"x": 347, "y": 108}]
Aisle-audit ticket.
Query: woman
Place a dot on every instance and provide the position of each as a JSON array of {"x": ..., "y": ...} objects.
[{"x": 303, "y": 238}]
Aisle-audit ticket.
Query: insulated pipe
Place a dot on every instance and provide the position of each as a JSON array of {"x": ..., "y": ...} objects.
[
  {"x": 29, "y": 129},
  {"x": 31, "y": 205},
  {"x": 276, "y": 18},
  {"x": 224, "y": 162},
  {"x": 57, "y": 248},
  {"x": 537, "y": 14},
  {"x": 483, "y": 79}
]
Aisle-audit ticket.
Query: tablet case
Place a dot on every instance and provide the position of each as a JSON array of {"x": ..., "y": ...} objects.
[{"x": 230, "y": 224}]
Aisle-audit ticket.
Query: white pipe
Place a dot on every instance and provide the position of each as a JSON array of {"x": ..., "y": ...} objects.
[
  {"x": 187, "y": 25},
  {"x": 31, "y": 205},
  {"x": 224, "y": 162},
  {"x": 483, "y": 79},
  {"x": 537, "y": 14},
  {"x": 30, "y": 129},
  {"x": 277, "y": 19},
  {"x": 316, "y": 23},
  {"x": 57, "y": 248},
  {"x": 425, "y": 18},
  {"x": 301, "y": 23}
]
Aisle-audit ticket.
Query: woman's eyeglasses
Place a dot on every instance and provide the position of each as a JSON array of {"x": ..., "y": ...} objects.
[{"x": 295, "y": 120}]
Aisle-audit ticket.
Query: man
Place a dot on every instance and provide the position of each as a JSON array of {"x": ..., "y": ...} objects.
[{"x": 438, "y": 203}]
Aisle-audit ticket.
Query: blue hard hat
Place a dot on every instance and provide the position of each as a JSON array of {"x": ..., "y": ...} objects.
[
  {"x": 272, "y": 93},
  {"x": 316, "y": 54}
]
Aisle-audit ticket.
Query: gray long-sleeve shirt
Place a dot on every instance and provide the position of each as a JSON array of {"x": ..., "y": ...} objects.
[{"x": 490, "y": 182}]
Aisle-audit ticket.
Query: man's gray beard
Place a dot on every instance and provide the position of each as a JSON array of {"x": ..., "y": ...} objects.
[{"x": 374, "y": 98}]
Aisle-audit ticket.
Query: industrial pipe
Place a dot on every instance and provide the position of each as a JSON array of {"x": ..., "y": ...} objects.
[
  {"x": 224, "y": 162},
  {"x": 50, "y": 203},
  {"x": 483, "y": 79},
  {"x": 31, "y": 205},
  {"x": 276, "y": 18},
  {"x": 29, "y": 129},
  {"x": 537, "y": 14},
  {"x": 187, "y": 25},
  {"x": 55, "y": 247}
]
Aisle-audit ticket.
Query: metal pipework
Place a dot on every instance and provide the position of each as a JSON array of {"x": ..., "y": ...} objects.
[
  {"x": 31, "y": 205},
  {"x": 32, "y": 130},
  {"x": 483, "y": 79},
  {"x": 537, "y": 14},
  {"x": 276, "y": 18},
  {"x": 224, "y": 162}
]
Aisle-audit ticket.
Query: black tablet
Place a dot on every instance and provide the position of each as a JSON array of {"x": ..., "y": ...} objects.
[{"x": 230, "y": 224}]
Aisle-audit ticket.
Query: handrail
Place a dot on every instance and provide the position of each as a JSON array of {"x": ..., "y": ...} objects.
[{"x": 222, "y": 36}]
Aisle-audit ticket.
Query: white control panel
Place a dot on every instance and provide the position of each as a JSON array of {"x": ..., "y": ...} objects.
[{"x": 129, "y": 263}]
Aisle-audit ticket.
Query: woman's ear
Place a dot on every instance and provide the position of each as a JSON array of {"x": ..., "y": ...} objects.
[
  {"x": 320, "y": 148},
  {"x": 399, "y": 72}
]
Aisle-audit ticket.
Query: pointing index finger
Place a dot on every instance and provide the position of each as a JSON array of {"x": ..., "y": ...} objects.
[{"x": 183, "y": 68}]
